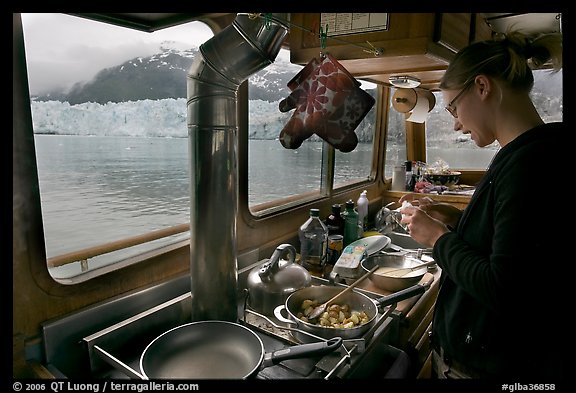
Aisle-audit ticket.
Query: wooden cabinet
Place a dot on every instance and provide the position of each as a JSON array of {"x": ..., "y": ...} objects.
[
  {"x": 421, "y": 44},
  {"x": 454, "y": 31}
]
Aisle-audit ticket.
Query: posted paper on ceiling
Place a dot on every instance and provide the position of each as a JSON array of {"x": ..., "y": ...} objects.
[{"x": 341, "y": 23}]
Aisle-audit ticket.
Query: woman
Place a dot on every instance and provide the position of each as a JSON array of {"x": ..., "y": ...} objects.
[{"x": 498, "y": 312}]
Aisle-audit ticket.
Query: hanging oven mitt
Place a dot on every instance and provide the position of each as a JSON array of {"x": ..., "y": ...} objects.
[
  {"x": 294, "y": 133},
  {"x": 339, "y": 127},
  {"x": 320, "y": 90}
]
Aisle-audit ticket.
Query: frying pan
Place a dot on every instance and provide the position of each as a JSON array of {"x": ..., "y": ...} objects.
[{"x": 217, "y": 350}]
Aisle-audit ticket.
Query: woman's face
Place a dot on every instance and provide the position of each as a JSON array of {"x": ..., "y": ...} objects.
[{"x": 470, "y": 112}]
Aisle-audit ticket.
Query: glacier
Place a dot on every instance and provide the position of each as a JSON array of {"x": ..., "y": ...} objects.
[{"x": 144, "y": 118}]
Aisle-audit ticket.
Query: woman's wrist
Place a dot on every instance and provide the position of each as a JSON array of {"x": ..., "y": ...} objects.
[{"x": 441, "y": 233}]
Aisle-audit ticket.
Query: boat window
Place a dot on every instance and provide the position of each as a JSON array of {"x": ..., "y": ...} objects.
[
  {"x": 289, "y": 171},
  {"x": 109, "y": 117},
  {"x": 395, "y": 139},
  {"x": 459, "y": 150},
  {"x": 296, "y": 172},
  {"x": 355, "y": 166}
]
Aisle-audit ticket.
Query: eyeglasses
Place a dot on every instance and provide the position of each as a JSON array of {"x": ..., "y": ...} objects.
[{"x": 450, "y": 107}]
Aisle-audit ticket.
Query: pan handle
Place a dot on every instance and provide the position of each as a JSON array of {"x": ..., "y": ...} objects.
[
  {"x": 303, "y": 350},
  {"x": 403, "y": 294}
]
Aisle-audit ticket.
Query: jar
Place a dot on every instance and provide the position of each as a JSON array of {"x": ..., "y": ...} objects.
[{"x": 399, "y": 178}]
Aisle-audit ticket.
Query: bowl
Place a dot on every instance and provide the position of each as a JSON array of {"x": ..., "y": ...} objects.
[
  {"x": 396, "y": 261},
  {"x": 443, "y": 179}
]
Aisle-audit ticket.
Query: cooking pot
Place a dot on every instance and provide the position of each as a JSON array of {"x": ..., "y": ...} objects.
[
  {"x": 356, "y": 300},
  {"x": 389, "y": 283},
  {"x": 217, "y": 350},
  {"x": 271, "y": 283}
]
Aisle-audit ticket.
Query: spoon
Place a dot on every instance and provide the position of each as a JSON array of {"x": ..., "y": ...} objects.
[
  {"x": 389, "y": 204},
  {"x": 318, "y": 310},
  {"x": 405, "y": 270}
]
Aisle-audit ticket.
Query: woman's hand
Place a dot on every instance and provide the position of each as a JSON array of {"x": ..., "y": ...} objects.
[
  {"x": 422, "y": 227},
  {"x": 427, "y": 219},
  {"x": 444, "y": 212}
]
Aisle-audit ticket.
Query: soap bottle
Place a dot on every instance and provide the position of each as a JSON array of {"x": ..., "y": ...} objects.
[
  {"x": 362, "y": 207},
  {"x": 313, "y": 235},
  {"x": 350, "y": 223}
]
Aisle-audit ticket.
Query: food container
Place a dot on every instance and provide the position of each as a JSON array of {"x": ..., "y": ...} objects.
[{"x": 447, "y": 179}]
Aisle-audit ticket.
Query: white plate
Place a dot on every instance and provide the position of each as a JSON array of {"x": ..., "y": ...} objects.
[{"x": 373, "y": 244}]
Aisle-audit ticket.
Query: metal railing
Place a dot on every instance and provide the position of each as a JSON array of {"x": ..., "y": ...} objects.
[{"x": 84, "y": 255}]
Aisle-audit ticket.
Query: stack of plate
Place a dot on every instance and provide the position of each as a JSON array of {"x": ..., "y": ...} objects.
[{"x": 348, "y": 265}]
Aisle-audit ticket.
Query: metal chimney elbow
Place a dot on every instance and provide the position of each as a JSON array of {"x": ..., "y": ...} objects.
[{"x": 222, "y": 64}]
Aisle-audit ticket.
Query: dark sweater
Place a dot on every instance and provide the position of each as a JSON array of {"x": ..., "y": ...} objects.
[{"x": 501, "y": 306}]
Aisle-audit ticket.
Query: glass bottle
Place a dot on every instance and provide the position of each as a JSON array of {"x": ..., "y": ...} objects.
[
  {"x": 350, "y": 223},
  {"x": 313, "y": 235},
  {"x": 410, "y": 178},
  {"x": 334, "y": 221}
]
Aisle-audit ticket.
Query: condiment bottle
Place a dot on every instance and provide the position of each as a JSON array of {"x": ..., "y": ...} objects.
[
  {"x": 313, "y": 235},
  {"x": 350, "y": 223},
  {"x": 334, "y": 221}
]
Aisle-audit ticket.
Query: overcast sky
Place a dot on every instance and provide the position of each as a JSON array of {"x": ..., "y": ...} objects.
[{"x": 62, "y": 49}]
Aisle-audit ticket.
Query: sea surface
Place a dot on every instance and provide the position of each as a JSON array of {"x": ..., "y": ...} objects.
[{"x": 98, "y": 189}]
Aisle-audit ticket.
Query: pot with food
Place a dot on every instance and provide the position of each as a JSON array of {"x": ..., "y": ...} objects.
[
  {"x": 351, "y": 316},
  {"x": 395, "y": 271}
]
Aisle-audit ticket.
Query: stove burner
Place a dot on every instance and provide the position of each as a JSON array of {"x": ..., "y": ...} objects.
[{"x": 111, "y": 353}]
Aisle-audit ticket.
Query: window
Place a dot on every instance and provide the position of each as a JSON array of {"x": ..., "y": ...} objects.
[
  {"x": 294, "y": 171},
  {"x": 109, "y": 117},
  {"x": 356, "y": 165},
  {"x": 395, "y": 139}
]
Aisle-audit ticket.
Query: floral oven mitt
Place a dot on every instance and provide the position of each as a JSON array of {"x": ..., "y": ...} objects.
[{"x": 328, "y": 102}]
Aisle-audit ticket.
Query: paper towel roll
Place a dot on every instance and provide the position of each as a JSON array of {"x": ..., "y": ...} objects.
[
  {"x": 417, "y": 101},
  {"x": 420, "y": 111}
]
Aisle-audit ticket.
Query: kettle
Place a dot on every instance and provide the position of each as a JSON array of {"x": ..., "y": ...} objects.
[{"x": 270, "y": 284}]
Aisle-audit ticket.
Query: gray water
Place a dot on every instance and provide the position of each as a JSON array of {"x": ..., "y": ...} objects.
[
  {"x": 100, "y": 189},
  {"x": 97, "y": 189}
]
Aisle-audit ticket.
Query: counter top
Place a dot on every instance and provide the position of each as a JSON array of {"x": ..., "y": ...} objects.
[{"x": 404, "y": 307}]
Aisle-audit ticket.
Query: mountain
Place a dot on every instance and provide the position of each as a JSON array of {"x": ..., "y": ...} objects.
[
  {"x": 151, "y": 84},
  {"x": 146, "y": 96},
  {"x": 162, "y": 76}
]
